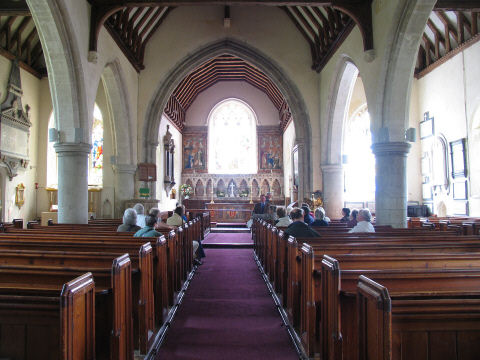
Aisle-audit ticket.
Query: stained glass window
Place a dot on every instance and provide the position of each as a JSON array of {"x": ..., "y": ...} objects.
[
  {"x": 95, "y": 173},
  {"x": 232, "y": 139}
]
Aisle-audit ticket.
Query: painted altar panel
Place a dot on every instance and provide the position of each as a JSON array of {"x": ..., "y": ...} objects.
[
  {"x": 194, "y": 153},
  {"x": 270, "y": 152}
]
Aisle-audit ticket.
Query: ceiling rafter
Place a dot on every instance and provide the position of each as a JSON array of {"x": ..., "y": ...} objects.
[
  {"x": 19, "y": 38},
  {"x": 222, "y": 68},
  {"x": 459, "y": 30},
  {"x": 324, "y": 30}
]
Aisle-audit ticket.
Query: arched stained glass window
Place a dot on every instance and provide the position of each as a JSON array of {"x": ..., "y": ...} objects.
[
  {"x": 95, "y": 171},
  {"x": 95, "y": 160},
  {"x": 232, "y": 138}
]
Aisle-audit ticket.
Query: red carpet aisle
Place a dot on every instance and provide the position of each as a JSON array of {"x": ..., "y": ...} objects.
[
  {"x": 228, "y": 238},
  {"x": 227, "y": 313}
]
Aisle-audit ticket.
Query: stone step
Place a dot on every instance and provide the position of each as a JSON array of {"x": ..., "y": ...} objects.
[{"x": 230, "y": 230}]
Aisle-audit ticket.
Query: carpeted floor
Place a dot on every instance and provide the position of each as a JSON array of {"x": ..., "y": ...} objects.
[
  {"x": 227, "y": 313},
  {"x": 228, "y": 238}
]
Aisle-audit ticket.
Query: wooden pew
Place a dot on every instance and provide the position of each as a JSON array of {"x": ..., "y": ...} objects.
[
  {"x": 113, "y": 300},
  {"x": 67, "y": 311},
  {"x": 339, "y": 303},
  {"x": 141, "y": 286},
  {"x": 394, "y": 326}
]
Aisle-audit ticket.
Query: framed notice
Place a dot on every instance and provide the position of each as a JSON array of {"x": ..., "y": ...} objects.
[
  {"x": 427, "y": 192},
  {"x": 459, "y": 159},
  {"x": 427, "y": 126}
]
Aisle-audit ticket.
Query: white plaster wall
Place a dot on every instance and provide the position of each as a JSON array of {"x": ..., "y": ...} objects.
[
  {"x": 197, "y": 114},
  {"x": 31, "y": 86},
  {"x": 288, "y": 143},
  {"x": 414, "y": 162},
  {"x": 187, "y": 29},
  {"x": 165, "y": 203},
  {"x": 450, "y": 94}
]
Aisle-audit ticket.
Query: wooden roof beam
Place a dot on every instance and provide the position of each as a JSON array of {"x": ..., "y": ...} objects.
[
  {"x": 14, "y": 8},
  {"x": 453, "y": 5}
]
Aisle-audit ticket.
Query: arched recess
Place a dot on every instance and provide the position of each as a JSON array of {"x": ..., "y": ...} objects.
[
  {"x": 62, "y": 58},
  {"x": 400, "y": 67},
  {"x": 332, "y": 169},
  {"x": 267, "y": 65}
]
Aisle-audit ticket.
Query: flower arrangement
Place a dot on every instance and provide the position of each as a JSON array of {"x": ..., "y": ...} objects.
[
  {"x": 244, "y": 193},
  {"x": 186, "y": 190}
]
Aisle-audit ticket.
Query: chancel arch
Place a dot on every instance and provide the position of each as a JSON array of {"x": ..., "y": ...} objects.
[{"x": 253, "y": 56}]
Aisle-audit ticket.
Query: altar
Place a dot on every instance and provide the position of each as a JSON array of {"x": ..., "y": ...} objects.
[{"x": 230, "y": 212}]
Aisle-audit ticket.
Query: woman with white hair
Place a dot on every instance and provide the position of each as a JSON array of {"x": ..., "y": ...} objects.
[
  {"x": 363, "y": 222},
  {"x": 319, "y": 218},
  {"x": 140, "y": 214},
  {"x": 129, "y": 221}
]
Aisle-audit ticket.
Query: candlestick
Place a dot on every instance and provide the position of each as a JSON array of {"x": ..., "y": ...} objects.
[
  {"x": 251, "y": 193},
  {"x": 212, "y": 202}
]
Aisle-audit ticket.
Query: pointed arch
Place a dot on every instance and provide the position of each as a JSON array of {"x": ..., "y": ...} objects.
[
  {"x": 62, "y": 58},
  {"x": 267, "y": 65},
  {"x": 120, "y": 110}
]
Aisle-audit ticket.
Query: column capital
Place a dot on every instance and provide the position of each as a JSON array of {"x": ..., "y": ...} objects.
[
  {"x": 391, "y": 148},
  {"x": 65, "y": 148},
  {"x": 331, "y": 168},
  {"x": 125, "y": 168}
]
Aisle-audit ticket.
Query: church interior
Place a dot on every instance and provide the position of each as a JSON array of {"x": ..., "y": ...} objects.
[{"x": 209, "y": 104}]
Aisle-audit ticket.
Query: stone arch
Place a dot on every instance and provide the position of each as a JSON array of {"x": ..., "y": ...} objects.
[
  {"x": 401, "y": 61},
  {"x": 62, "y": 58},
  {"x": 339, "y": 101},
  {"x": 199, "y": 189},
  {"x": 114, "y": 84},
  {"x": 286, "y": 86}
]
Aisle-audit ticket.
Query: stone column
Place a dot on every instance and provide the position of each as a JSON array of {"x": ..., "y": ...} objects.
[
  {"x": 391, "y": 183},
  {"x": 124, "y": 186},
  {"x": 72, "y": 182},
  {"x": 333, "y": 189}
]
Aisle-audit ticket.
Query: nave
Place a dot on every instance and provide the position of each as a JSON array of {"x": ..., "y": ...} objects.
[{"x": 227, "y": 312}]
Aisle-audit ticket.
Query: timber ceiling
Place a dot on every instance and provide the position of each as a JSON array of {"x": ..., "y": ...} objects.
[
  {"x": 323, "y": 24},
  {"x": 19, "y": 39},
  {"x": 222, "y": 68},
  {"x": 446, "y": 33}
]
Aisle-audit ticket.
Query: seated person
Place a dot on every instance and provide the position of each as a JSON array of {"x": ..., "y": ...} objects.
[
  {"x": 271, "y": 215},
  {"x": 345, "y": 214},
  {"x": 364, "y": 225},
  {"x": 319, "y": 218},
  {"x": 160, "y": 225},
  {"x": 177, "y": 220},
  {"x": 283, "y": 219},
  {"x": 298, "y": 228},
  {"x": 353, "y": 218},
  {"x": 148, "y": 230},
  {"x": 129, "y": 221},
  {"x": 140, "y": 214},
  {"x": 308, "y": 217}
]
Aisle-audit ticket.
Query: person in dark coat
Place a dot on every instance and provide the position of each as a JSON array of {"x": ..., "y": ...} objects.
[
  {"x": 346, "y": 215},
  {"x": 319, "y": 218},
  {"x": 298, "y": 228},
  {"x": 262, "y": 206},
  {"x": 308, "y": 218}
]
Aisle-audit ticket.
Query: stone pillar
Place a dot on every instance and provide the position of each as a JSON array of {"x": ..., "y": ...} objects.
[
  {"x": 72, "y": 182},
  {"x": 391, "y": 183},
  {"x": 333, "y": 190},
  {"x": 124, "y": 186}
]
